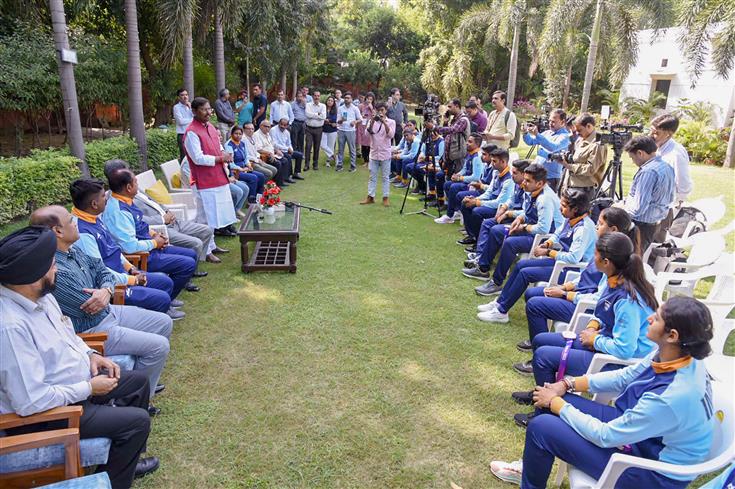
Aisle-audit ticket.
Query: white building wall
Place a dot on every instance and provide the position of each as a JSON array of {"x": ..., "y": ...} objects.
[{"x": 642, "y": 77}]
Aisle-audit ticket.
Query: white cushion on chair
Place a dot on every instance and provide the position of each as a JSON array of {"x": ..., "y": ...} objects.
[{"x": 580, "y": 480}]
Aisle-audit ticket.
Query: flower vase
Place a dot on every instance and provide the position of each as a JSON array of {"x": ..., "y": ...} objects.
[
  {"x": 269, "y": 215},
  {"x": 280, "y": 208},
  {"x": 269, "y": 211}
]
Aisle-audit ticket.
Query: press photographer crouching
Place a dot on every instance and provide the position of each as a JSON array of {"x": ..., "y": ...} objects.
[
  {"x": 552, "y": 140},
  {"x": 586, "y": 165}
]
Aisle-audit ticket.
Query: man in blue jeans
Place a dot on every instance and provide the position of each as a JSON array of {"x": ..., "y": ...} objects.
[
  {"x": 125, "y": 222},
  {"x": 540, "y": 215}
]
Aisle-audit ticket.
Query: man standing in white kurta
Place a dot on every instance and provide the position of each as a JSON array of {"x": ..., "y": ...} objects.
[{"x": 208, "y": 166}]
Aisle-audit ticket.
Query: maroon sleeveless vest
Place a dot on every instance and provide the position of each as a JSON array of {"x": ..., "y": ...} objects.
[{"x": 206, "y": 176}]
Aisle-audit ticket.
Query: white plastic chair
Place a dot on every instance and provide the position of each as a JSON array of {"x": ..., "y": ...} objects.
[
  {"x": 146, "y": 180},
  {"x": 721, "y": 453},
  {"x": 713, "y": 209},
  {"x": 169, "y": 169},
  {"x": 183, "y": 207},
  {"x": 721, "y": 326},
  {"x": 537, "y": 240},
  {"x": 678, "y": 283}
]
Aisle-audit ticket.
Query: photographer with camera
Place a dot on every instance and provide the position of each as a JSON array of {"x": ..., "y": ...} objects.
[
  {"x": 652, "y": 192},
  {"x": 455, "y": 136},
  {"x": 502, "y": 124},
  {"x": 552, "y": 140},
  {"x": 381, "y": 130},
  {"x": 586, "y": 164}
]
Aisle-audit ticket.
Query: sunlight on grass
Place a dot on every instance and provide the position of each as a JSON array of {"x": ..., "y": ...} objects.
[{"x": 460, "y": 419}]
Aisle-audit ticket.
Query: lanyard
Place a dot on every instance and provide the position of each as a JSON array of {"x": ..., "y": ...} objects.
[{"x": 565, "y": 355}]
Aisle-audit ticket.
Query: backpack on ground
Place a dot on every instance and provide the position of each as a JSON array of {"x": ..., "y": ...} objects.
[{"x": 517, "y": 136}]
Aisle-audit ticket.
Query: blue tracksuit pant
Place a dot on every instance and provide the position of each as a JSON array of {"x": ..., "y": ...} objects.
[
  {"x": 549, "y": 437},
  {"x": 496, "y": 241},
  {"x": 155, "y": 296},
  {"x": 176, "y": 262},
  {"x": 438, "y": 179},
  {"x": 452, "y": 190},
  {"x": 255, "y": 181},
  {"x": 473, "y": 218},
  {"x": 540, "y": 308},
  {"x": 547, "y": 348},
  {"x": 525, "y": 272},
  {"x": 460, "y": 207}
]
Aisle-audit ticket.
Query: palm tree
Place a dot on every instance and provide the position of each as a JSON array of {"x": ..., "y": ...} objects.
[
  {"x": 616, "y": 21},
  {"x": 135, "y": 84},
  {"x": 68, "y": 86},
  {"x": 501, "y": 22},
  {"x": 176, "y": 18},
  {"x": 705, "y": 23}
]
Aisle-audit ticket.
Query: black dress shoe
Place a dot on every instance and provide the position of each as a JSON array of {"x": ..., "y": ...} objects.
[
  {"x": 190, "y": 287},
  {"x": 522, "y": 420},
  {"x": 471, "y": 249},
  {"x": 200, "y": 274},
  {"x": 283, "y": 185},
  {"x": 524, "y": 346},
  {"x": 146, "y": 466},
  {"x": 298, "y": 177},
  {"x": 290, "y": 180},
  {"x": 523, "y": 397},
  {"x": 219, "y": 251},
  {"x": 224, "y": 232},
  {"x": 524, "y": 368},
  {"x": 430, "y": 198},
  {"x": 153, "y": 410},
  {"x": 469, "y": 240},
  {"x": 160, "y": 388}
]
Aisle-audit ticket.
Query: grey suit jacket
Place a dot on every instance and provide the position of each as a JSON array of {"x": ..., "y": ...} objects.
[{"x": 150, "y": 213}]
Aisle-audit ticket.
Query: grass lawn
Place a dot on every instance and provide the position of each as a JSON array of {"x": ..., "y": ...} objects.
[{"x": 367, "y": 368}]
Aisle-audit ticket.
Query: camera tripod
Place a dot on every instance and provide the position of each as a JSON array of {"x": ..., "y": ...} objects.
[
  {"x": 611, "y": 186},
  {"x": 429, "y": 143}
]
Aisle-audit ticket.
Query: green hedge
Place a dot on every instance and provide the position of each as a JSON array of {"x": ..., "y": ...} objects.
[
  {"x": 32, "y": 182},
  {"x": 43, "y": 177}
]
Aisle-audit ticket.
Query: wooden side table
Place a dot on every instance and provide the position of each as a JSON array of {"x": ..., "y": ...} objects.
[{"x": 275, "y": 239}]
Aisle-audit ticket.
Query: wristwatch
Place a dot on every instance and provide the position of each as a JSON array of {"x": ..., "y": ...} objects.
[{"x": 569, "y": 381}]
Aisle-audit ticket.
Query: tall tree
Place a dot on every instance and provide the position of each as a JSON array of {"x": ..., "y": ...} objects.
[
  {"x": 616, "y": 21},
  {"x": 135, "y": 82},
  {"x": 710, "y": 25},
  {"x": 68, "y": 85}
]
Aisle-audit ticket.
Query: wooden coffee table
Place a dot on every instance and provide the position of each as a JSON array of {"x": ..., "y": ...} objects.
[{"x": 275, "y": 240}]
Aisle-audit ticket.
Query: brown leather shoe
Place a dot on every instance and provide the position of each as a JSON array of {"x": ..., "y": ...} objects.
[
  {"x": 368, "y": 200},
  {"x": 212, "y": 259},
  {"x": 385, "y": 202}
]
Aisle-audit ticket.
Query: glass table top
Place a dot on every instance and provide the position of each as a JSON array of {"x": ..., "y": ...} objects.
[{"x": 280, "y": 221}]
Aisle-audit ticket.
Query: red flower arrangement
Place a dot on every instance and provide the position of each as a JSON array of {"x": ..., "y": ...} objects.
[{"x": 270, "y": 196}]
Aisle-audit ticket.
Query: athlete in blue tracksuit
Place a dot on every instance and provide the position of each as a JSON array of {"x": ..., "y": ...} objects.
[
  {"x": 472, "y": 171},
  {"x": 477, "y": 206},
  {"x": 576, "y": 240},
  {"x": 664, "y": 411},
  {"x": 418, "y": 169},
  {"x": 541, "y": 214},
  {"x": 255, "y": 180}
]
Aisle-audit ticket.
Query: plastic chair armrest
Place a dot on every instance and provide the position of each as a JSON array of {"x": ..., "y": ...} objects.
[{"x": 560, "y": 267}]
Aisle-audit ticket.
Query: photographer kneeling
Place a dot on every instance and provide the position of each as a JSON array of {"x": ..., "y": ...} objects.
[
  {"x": 381, "y": 130},
  {"x": 554, "y": 139},
  {"x": 586, "y": 166}
]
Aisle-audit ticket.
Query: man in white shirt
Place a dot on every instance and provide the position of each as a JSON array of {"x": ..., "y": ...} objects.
[
  {"x": 281, "y": 109},
  {"x": 268, "y": 152},
  {"x": 183, "y": 117},
  {"x": 253, "y": 156},
  {"x": 663, "y": 129},
  {"x": 501, "y": 123},
  {"x": 282, "y": 142},
  {"x": 348, "y": 116},
  {"x": 316, "y": 114}
]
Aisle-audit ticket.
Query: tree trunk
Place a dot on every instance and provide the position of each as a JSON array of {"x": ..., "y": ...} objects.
[
  {"x": 730, "y": 156},
  {"x": 295, "y": 82},
  {"x": 135, "y": 84},
  {"x": 567, "y": 85},
  {"x": 591, "y": 57},
  {"x": 219, "y": 52},
  {"x": 188, "y": 61},
  {"x": 513, "y": 66},
  {"x": 247, "y": 74},
  {"x": 283, "y": 81},
  {"x": 68, "y": 86}
]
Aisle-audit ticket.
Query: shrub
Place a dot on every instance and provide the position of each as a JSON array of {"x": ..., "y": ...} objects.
[
  {"x": 704, "y": 143},
  {"x": 40, "y": 179},
  {"x": 162, "y": 146},
  {"x": 123, "y": 147}
]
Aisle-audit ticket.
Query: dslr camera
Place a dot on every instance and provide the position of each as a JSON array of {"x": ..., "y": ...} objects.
[
  {"x": 618, "y": 135},
  {"x": 430, "y": 108},
  {"x": 565, "y": 156},
  {"x": 541, "y": 122}
]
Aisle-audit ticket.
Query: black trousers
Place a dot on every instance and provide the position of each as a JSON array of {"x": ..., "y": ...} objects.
[
  {"x": 297, "y": 136},
  {"x": 654, "y": 232},
  {"x": 313, "y": 142},
  {"x": 180, "y": 142},
  {"x": 121, "y": 416},
  {"x": 365, "y": 150},
  {"x": 283, "y": 167},
  {"x": 398, "y": 135}
]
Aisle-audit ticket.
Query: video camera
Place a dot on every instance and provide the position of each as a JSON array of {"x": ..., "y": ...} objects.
[
  {"x": 618, "y": 135},
  {"x": 541, "y": 122},
  {"x": 430, "y": 108}
]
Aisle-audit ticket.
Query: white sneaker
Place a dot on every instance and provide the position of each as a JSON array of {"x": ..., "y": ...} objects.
[
  {"x": 445, "y": 219},
  {"x": 508, "y": 472},
  {"x": 458, "y": 215},
  {"x": 490, "y": 306},
  {"x": 493, "y": 316}
]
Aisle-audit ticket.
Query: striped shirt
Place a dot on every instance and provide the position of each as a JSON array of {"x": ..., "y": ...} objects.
[
  {"x": 652, "y": 192},
  {"x": 77, "y": 271}
]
